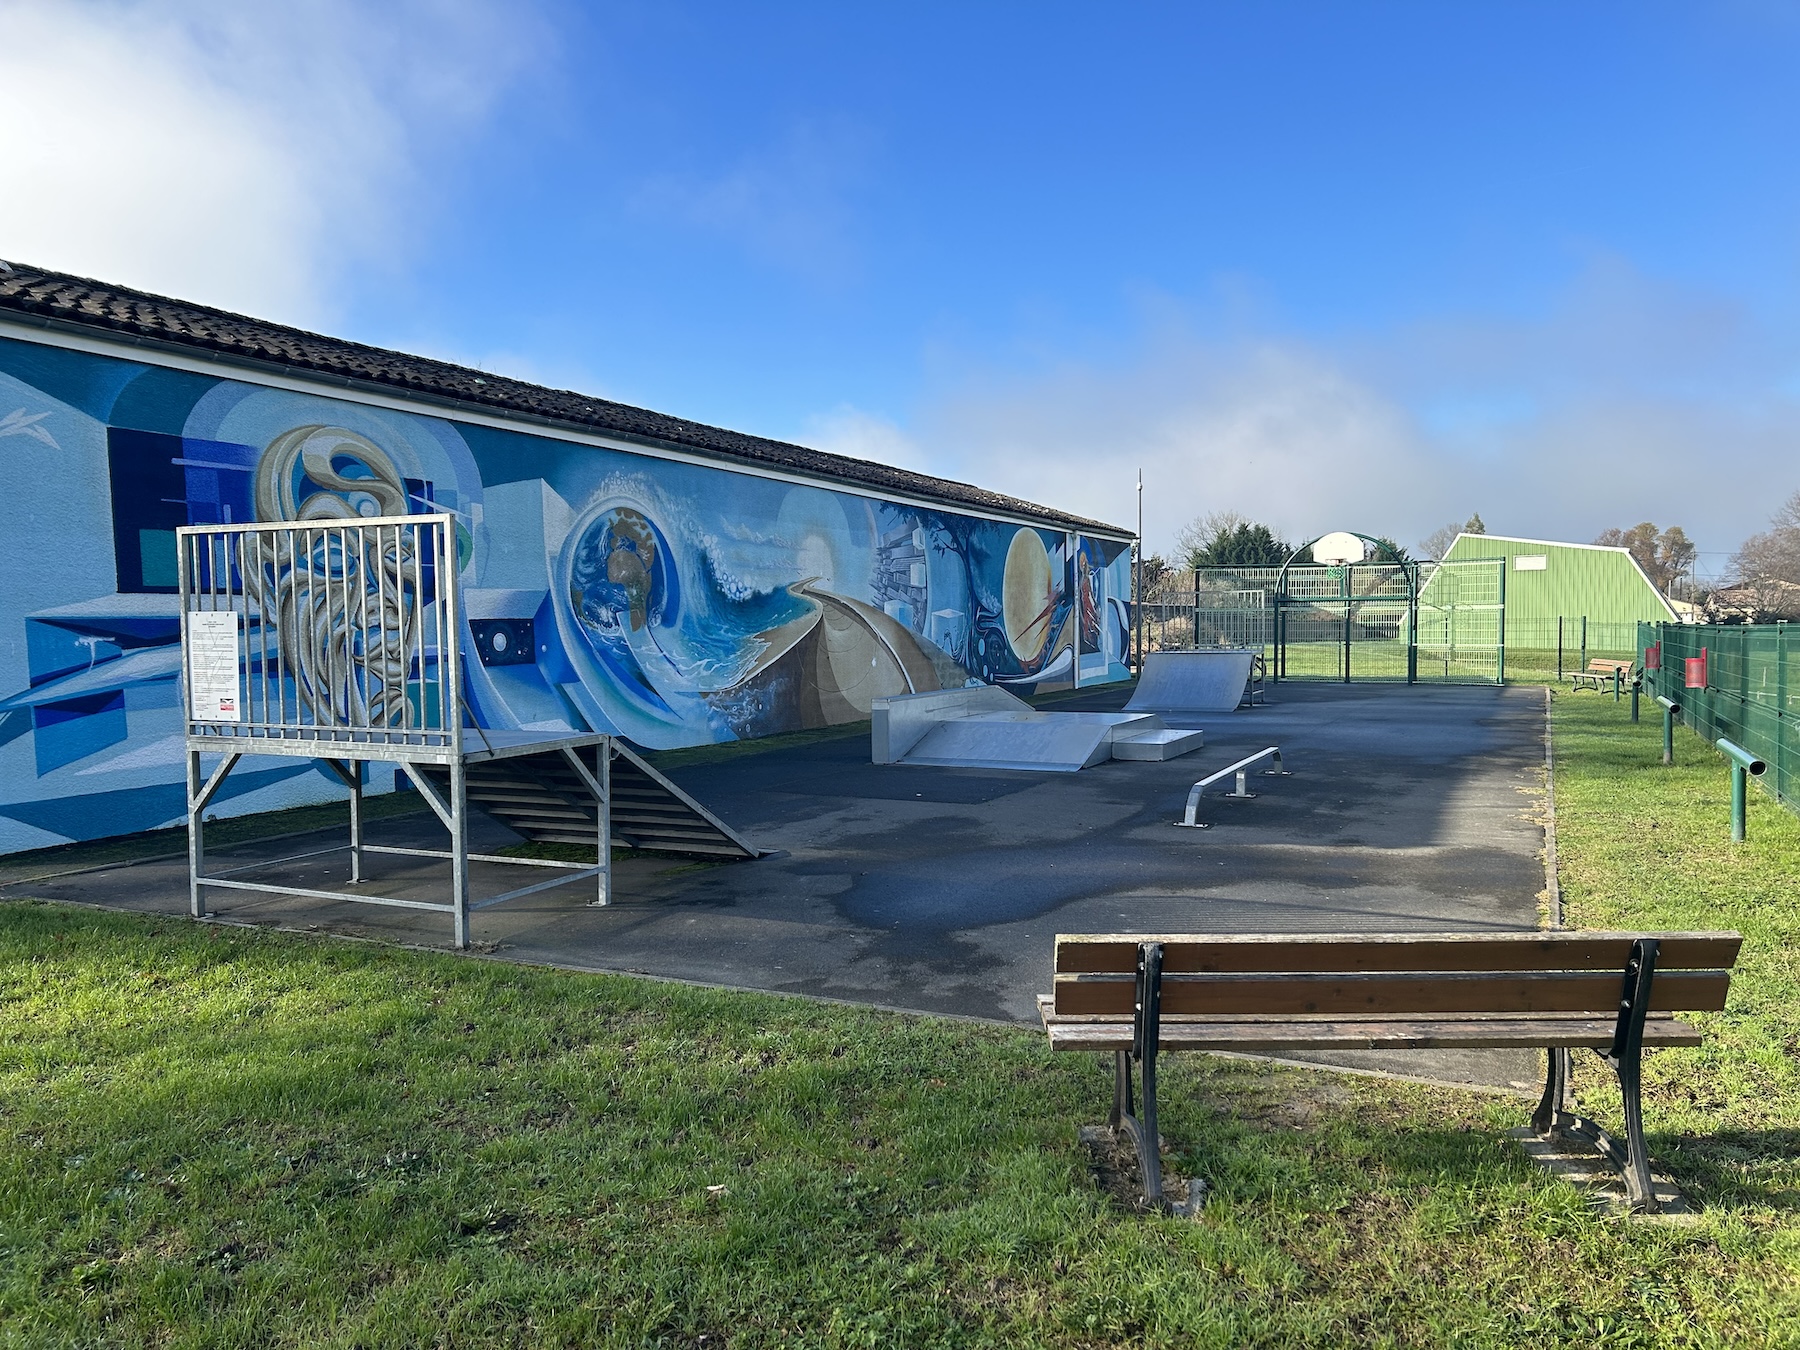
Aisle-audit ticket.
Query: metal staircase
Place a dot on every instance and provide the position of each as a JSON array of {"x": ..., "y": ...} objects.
[{"x": 543, "y": 799}]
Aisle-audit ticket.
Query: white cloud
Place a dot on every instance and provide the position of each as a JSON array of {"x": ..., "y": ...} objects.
[
  {"x": 238, "y": 154},
  {"x": 1628, "y": 400},
  {"x": 847, "y": 430}
]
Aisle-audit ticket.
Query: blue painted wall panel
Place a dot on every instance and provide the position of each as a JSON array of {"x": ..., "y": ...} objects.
[{"x": 672, "y": 602}]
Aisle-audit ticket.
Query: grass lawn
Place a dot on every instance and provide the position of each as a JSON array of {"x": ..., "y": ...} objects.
[{"x": 217, "y": 1136}]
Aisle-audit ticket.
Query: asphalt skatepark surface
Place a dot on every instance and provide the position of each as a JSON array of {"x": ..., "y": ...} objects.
[{"x": 942, "y": 890}]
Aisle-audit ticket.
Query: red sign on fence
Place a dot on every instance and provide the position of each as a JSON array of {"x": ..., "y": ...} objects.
[
  {"x": 1653, "y": 656},
  {"x": 1696, "y": 670}
]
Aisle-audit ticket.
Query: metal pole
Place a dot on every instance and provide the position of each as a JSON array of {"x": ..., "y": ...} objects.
[
  {"x": 1584, "y": 642},
  {"x": 1618, "y": 683},
  {"x": 1346, "y": 593},
  {"x": 196, "y": 827},
  {"x": 1743, "y": 764},
  {"x": 1078, "y": 594},
  {"x": 604, "y": 812},
  {"x": 356, "y": 820},
  {"x": 1412, "y": 625},
  {"x": 1559, "y": 647},
  {"x": 1634, "y": 700},
  {"x": 1670, "y": 708},
  {"x": 1781, "y": 708},
  {"x": 1500, "y": 662},
  {"x": 1139, "y": 587},
  {"x": 459, "y": 848}
]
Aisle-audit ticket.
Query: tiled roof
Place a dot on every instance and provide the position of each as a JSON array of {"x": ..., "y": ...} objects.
[{"x": 60, "y": 300}]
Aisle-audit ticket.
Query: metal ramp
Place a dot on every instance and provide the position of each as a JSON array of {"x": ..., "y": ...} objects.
[
  {"x": 1180, "y": 684},
  {"x": 542, "y": 798},
  {"x": 984, "y": 727}
]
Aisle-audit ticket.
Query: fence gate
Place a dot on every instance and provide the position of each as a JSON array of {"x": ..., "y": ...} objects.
[{"x": 1462, "y": 622}]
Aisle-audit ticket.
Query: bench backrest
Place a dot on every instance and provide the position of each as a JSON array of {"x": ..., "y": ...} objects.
[
  {"x": 1389, "y": 974},
  {"x": 1608, "y": 665}
]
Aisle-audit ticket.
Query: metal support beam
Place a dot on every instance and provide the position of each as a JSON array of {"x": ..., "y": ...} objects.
[
  {"x": 200, "y": 796},
  {"x": 459, "y": 849}
]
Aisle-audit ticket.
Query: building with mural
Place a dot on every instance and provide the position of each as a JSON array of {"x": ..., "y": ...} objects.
[{"x": 622, "y": 571}]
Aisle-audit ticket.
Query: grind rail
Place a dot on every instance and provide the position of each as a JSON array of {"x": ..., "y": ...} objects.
[{"x": 1241, "y": 792}]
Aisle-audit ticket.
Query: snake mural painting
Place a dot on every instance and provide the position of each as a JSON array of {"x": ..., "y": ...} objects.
[{"x": 668, "y": 599}]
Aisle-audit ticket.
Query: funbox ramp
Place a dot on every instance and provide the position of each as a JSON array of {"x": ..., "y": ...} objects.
[
  {"x": 1176, "y": 685},
  {"x": 984, "y": 727}
]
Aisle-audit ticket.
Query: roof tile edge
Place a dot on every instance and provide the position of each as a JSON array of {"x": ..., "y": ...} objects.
[{"x": 83, "y": 303}]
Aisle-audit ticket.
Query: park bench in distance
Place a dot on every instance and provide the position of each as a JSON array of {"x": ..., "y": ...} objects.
[
  {"x": 1600, "y": 673},
  {"x": 1136, "y": 995}
]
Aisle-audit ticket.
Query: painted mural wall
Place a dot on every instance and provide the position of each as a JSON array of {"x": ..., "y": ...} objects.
[{"x": 671, "y": 602}]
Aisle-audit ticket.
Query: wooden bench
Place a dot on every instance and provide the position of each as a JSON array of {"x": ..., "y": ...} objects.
[
  {"x": 1600, "y": 674},
  {"x": 1136, "y": 995}
]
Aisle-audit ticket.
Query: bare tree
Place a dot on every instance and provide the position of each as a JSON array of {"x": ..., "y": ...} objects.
[
  {"x": 1765, "y": 572},
  {"x": 1200, "y": 534},
  {"x": 1436, "y": 544},
  {"x": 1664, "y": 555}
]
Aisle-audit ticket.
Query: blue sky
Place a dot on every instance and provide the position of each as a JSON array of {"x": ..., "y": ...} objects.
[{"x": 1366, "y": 266}]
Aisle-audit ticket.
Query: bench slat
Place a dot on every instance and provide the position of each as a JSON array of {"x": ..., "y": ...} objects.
[
  {"x": 1253, "y": 1037},
  {"x": 1398, "y": 1033},
  {"x": 1240, "y": 953},
  {"x": 1390, "y": 993}
]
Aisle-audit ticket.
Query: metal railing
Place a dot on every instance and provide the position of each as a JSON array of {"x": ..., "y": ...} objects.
[{"x": 1240, "y": 793}]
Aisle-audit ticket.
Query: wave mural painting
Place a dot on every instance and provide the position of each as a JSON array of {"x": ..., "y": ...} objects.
[{"x": 654, "y": 595}]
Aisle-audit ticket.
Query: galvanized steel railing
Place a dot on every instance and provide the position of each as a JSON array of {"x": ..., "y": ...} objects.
[{"x": 341, "y": 631}]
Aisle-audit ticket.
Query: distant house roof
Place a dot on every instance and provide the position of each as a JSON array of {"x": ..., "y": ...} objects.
[{"x": 56, "y": 300}]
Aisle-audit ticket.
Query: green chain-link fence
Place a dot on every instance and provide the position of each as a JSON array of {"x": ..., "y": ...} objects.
[{"x": 1751, "y": 694}]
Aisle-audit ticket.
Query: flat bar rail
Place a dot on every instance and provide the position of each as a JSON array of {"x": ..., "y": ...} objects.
[{"x": 1241, "y": 792}]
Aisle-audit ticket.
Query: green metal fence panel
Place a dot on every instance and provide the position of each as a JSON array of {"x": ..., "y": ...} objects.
[
  {"x": 1362, "y": 623},
  {"x": 1750, "y": 692},
  {"x": 1462, "y": 623}
]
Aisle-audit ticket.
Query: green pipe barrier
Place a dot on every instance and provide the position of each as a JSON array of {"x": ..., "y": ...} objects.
[
  {"x": 1743, "y": 766},
  {"x": 1671, "y": 710}
]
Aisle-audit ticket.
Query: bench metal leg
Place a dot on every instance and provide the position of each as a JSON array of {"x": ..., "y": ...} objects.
[
  {"x": 1556, "y": 1112},
  {"x": 1121, "y": 1108},
  {"x": 1556, "y": 1108},
  {"x": 1139, "y": 1124}
]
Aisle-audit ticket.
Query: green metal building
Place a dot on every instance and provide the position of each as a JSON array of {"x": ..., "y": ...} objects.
[{"x": 1579, "y": 597}]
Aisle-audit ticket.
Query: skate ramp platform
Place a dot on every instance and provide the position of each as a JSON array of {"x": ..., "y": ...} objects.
[
  {"x": 1178, "y": 685},
  {"x": 984, "y": 727}
]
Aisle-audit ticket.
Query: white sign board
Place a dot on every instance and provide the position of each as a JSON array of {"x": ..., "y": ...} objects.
[
  {"x": 212, "y": 666},
  {"x": 1531, "y": 562}
]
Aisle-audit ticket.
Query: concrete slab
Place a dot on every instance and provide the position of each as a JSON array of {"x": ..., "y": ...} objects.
[{"x": 942, "y": 890}]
